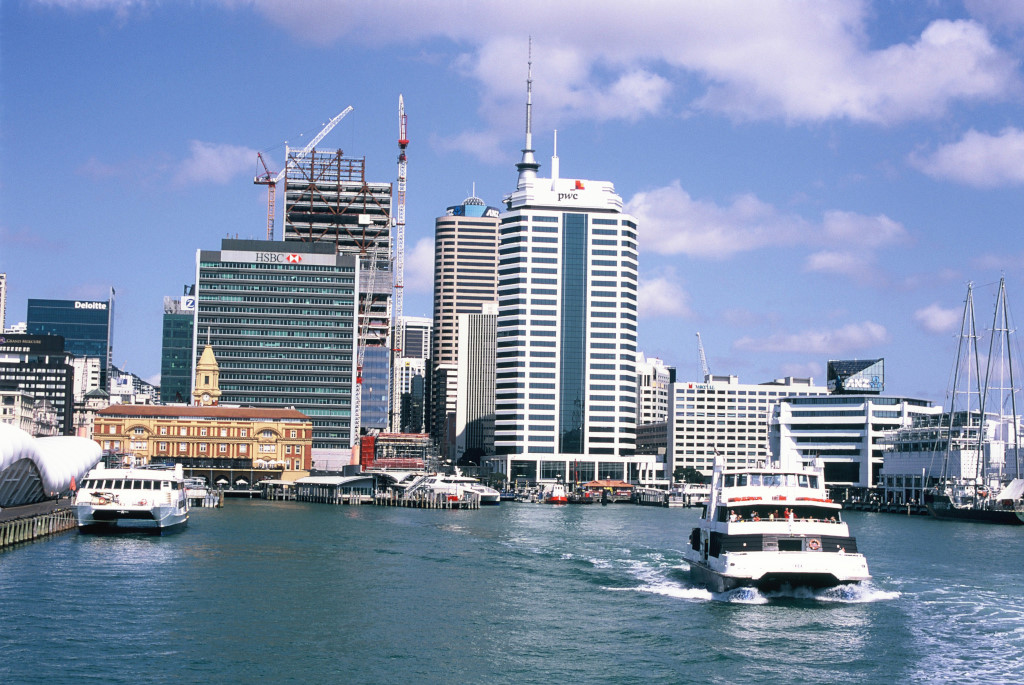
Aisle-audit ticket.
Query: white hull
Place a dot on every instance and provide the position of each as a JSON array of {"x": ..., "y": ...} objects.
[
  {"x": 132, "y": 500},
  {"x": 773, "y": 570},
  {"x": 144, "y": 519}
]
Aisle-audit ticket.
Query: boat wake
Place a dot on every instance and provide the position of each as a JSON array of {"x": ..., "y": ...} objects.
[{"x": 660, "y": 577}]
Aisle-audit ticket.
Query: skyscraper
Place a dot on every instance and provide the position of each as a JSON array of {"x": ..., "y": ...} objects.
[
  {"x": 465, "y": 277},
  {"x": 280, "y": 317},
  {"x": 87, "y": 326},
  {"x": 567, "y": 324},
  {"x": 410, "y": 362},
  {"x": 474, "y": 413},
  {"x": 176, "y": 352}
]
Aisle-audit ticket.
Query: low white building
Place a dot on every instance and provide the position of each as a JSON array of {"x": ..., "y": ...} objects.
[
  {"x": 847, "y": 432},
  {"x": 723, "y": 416}
]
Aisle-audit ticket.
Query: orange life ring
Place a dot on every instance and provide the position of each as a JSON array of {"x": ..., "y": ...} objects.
[{"x": 814, "y": 544}]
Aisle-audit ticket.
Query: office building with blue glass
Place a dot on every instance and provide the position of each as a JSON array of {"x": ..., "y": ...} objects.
[
  {"x": 565, "y": 396},
  {"x": 87, "y": 327}
]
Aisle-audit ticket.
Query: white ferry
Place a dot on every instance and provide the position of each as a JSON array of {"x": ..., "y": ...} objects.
[
  {"x": 455, "y": 486},
  {"x": 132, "y": 500},
  {"x": 771, "y": 526}
]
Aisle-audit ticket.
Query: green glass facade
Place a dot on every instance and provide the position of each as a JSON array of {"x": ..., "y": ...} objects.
[
  {"x": 281, "y": 320},
  {"x": 176, "y": 358}
]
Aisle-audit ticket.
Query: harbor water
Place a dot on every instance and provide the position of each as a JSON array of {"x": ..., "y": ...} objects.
[{"x": 293, "y": 592}]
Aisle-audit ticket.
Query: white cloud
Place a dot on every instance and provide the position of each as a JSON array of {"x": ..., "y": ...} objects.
[
  {"x": 215, "y": 163},
  {"x": 772, "y": 59},
  {"x": 848, "y": 228},
  {"x": 676, "y": 223},
  {"x": 662, "y": 296},
  {"x": 849, "y": 338},
  {"x": 860, "y": 266},
  {"x": 419, "y": 266},
  {"x": 978, "y": 159},
  {"x": 936, "y": 319}
]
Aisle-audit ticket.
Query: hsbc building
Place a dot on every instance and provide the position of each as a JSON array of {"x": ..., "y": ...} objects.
[{"x": 281, "y": 320}]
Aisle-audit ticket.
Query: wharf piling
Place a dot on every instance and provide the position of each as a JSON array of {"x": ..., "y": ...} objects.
[
  {"x": 650, "y": 497},
  {"x": 427, "y": 501},
  {"x": 31, "y": 527}
]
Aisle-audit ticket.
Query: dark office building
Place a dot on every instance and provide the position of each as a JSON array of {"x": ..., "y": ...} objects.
[
  {"x": 38, "y": 364},
  {"x": 176, "y": 354},
  {"x": 86, "y": 325}
]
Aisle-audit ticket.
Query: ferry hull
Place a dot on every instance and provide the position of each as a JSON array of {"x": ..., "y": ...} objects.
[
  {"x": 150, "y": 521},
  {"x": 775, "y": 579}
]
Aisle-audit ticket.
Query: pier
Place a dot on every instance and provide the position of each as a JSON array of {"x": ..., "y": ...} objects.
[
  {"x": 650, "y": 497},
  {"x": 34, "y": 521}
]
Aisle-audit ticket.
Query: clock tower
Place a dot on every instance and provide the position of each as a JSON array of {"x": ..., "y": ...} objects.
[{"x": 207, "y": 388}]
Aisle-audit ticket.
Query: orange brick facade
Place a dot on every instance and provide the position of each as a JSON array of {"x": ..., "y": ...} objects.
[{"x": 200, "y": 437}]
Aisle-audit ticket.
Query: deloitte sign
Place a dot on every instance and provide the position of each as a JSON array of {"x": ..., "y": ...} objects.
[{"x": 90, "y": 305}]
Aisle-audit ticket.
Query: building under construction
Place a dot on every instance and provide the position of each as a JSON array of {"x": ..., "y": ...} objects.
[{"x": 328, "y": 200}]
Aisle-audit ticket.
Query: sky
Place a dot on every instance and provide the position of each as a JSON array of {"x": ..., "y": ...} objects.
[{"x": 812, "y": 180}]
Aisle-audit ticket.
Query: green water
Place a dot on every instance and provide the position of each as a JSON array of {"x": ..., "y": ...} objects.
[{"x": 288, "y": 592}]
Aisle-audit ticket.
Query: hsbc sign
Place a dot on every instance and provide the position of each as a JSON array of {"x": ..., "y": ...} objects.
[{"x": 278, "y": 258}]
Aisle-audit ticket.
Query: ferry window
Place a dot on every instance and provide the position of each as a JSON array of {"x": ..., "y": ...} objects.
[
  {"x": 802, "y": 480},
  {"x": 790, "y": 480},
  {"x": 755, "y": 479},
  {"x": 743, "y": 479},
  {"x": 814, "y": 481},
  {"x": 730, "y": 481},
  {"x": 166, "y": 484},
  {"x": 773, "y": 481}
]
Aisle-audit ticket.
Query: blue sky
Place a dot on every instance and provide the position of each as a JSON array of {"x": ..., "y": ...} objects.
[{"x": 813, "y": 180}]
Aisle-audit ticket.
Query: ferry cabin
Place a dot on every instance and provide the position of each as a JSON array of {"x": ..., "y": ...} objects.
[{"x": 759, "y": 511}]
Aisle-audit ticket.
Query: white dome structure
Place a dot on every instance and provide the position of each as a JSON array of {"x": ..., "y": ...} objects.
[{"x": 36, "y": 469}]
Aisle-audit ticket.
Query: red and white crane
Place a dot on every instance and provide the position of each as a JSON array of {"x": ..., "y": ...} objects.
[
  {"x": 270, "y": 179},
  {"x": 399, "y": 243}
]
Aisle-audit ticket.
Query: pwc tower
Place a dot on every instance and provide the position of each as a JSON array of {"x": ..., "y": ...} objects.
[{"x": 565, "y": 390}]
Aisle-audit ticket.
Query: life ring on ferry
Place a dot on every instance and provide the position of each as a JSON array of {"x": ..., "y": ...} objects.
[{"x": 814, "y": 544}]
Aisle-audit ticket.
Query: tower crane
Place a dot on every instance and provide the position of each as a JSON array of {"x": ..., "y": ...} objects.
[
  {"x": 270, "y": 179},
  {"x": 703, "y": 359},
  {"x": 399, "y": 213}
]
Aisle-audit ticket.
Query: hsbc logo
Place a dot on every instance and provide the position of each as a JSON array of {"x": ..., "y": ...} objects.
[{"x": 293, "y": 259}]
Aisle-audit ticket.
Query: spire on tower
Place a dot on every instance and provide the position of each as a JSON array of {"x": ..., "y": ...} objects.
[{"x": 528, "y": 166}]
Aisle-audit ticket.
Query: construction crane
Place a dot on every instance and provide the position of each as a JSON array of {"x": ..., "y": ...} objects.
[
  {"x": 270, "y": 179},
  {"x": 399, "y": 214},
  {"x": 398, "y": 262},
  {"x": 703, "y": 359}
]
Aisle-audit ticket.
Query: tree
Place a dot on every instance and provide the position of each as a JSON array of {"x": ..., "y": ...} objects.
[{"x": 688, "y": 474}]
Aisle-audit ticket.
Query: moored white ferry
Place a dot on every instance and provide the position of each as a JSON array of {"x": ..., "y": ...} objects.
[
  {"x": 132, "y": 500},
  {"x": 455, "y": 486},
  {"x": 771, "y": 526}
]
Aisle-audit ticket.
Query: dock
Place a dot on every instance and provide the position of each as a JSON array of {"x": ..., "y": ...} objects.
[
  {"x": 650, "y": 497},
  {"x": 34, "y": 521}
]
